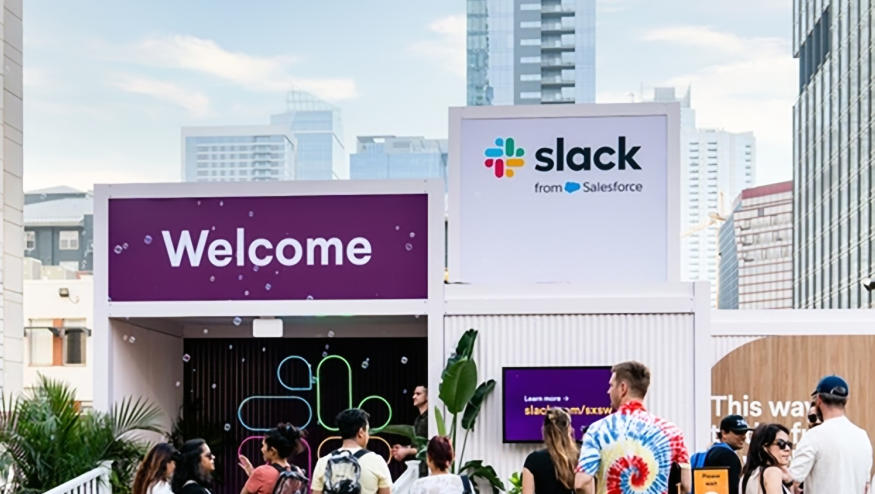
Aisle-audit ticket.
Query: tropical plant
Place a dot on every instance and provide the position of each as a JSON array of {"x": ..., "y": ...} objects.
[
  {"x": 516, "y": 483},
  {"x": 460, "y": 394},
  {"x": 48, "y": 441}
]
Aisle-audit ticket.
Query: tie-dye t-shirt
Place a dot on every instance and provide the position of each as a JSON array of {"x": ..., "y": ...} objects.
[{"x": 631, "y": 451}]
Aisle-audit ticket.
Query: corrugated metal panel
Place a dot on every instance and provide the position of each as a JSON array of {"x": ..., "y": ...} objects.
[
  {"x": 722, "y": 345},
  {"x": 662, "y": 341}
]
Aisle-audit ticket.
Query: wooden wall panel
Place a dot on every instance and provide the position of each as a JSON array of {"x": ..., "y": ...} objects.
[{"x": 780, "y": 369}]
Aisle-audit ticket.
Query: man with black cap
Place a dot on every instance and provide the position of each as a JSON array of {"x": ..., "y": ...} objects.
[
  {"x": 733, "y": 431},
  {"x": 835, "y": 456}
]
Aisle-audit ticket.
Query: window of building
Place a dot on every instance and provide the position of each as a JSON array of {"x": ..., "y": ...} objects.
[
  {"x": 530, "y": 59},
  {"x": 530, "y": 24},
  {"x": 530, "y": 42},
  {"x": 530, "y": 95},
  {"x": 68, "y": 240},
  {"x": 41, "y": 343},
  {"x": 29, "y": 240},
  {"x": 530, "y": 6},
  {"x": 530, "y": 77},
  {"x": 74, "y": 346}
]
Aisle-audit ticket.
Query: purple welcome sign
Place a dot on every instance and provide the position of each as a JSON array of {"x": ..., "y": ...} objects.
[
  {"x": 528, "y": 392},
  {"x": 339, "y": 247}
]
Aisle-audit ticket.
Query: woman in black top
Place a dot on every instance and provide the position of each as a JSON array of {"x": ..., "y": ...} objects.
[
  {"x": 195, "y": 468},
  {"x": 551, "y": 470}
]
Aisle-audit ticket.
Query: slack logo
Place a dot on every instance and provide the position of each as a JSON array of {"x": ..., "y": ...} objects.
[
  {"x": 577, "y": 158},
  {"x": 504, "y": 157}
]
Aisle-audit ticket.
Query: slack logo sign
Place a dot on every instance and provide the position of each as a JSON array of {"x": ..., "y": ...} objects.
[
  {"x": 504, "y": 157},
  {"x": 578, "y": 158}
]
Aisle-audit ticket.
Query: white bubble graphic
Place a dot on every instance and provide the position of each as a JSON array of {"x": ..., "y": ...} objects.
[
  {"x": 213, "y": 385},
  {"x": 246, "y": 292},
  {"x": 365, "y": 364},
  {"x": 178, "y": 384},
  {"x": 412, "y": 234},
  {"x": 309, "y": 297},
  {"x": 239, "y": 277},
  {"x": 117, "y": 249},
  {"x": 212, "y": 278},
  {"x": 237, "y": 321},
  {"x": 397, "y": 228},
  {"x": 255, "y": 268},
  {"x": 404, "y": 360},
  {"x": 331, "y": 333},
  {"x": 132, "y": 339},
  {"x": 147, "y": 239},
  {"x": 125, "y": 246},
  {"x": 206, "y": 330},
  {"x": 186, "y": 357},
  {"x": 251, "y": 214},
  {"x": 324, "y": 354},
  {"x": 230, "y": 347},
  {"x": 221, "y": 203},
  {"x": 227, "y": 427},
  {"x": 267, "y": 286},
  {"x": 408, "y": 246}
]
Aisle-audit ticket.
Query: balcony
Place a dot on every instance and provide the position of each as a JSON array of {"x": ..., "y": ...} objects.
[
  {"x": 556, "y": 100},
  {"x": 556, "y": 28},
  {"x": 556, "y": 82},
  {"x": 556, "y": 63},
  {"x": 556, "y": 11}
]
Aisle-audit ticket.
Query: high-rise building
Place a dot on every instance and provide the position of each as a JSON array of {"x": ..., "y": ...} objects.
[
  {"x": 834, "y": 225},
  {"x": 318, "y": 133},
  {"x": 11, "y": 115},
  {"x": 756, "y": 243},
  {"x": 389, "y": 156},
  {"x": 238, "y": 153},
  {"x": 531, "y": 52},
  {"x": 715, "y": 166}
]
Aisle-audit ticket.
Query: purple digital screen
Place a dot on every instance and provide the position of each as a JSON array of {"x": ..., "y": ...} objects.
[
  {"x": 528, "y": 392},
  {"x": 341, "y": 247}
]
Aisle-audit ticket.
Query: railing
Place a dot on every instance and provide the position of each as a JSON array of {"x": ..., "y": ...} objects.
[{"x": 94, "y": 482}]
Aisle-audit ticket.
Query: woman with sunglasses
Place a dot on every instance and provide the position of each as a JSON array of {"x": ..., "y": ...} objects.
[
  {"x": 767, "y": 460},
  {"x": 195, "y": 468}
]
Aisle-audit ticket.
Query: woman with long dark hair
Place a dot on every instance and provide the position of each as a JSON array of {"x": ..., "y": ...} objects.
[
  {"x": 194, "y": 469},
  {"x": 551, "y": 470},
  {"x": 280, "y": 443},
  {"x": 154, "y": 474},
  {"x": 767, "y": 459}
]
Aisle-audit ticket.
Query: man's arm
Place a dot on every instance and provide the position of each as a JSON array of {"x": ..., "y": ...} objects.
[
  {"x": 584, "y": 483},
  {"x": 803, "y": 459},
  {"x": 686, "y": 477}
]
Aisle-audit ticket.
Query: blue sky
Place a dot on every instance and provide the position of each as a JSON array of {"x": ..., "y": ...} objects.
[{"x": 109, "y": 84}]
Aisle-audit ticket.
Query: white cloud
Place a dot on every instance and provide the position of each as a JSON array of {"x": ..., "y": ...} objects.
[
  {"x": 750, "y": 86},
  {"x": 194, "y": 102},
  {"x": 449, "y": 49},
  {"x": 252, "y": 72}
]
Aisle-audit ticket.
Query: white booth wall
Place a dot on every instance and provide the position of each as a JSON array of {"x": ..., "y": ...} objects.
[{"x": 664, "y": 327}]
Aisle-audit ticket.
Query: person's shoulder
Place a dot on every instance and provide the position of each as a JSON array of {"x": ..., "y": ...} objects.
[{"x": 772, "y": 472}]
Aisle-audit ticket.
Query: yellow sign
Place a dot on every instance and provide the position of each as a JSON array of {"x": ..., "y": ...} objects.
[{"x": 711, "y": 481}]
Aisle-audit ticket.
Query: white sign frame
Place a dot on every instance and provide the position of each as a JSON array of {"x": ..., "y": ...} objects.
[{"x": 671, "y": 111}]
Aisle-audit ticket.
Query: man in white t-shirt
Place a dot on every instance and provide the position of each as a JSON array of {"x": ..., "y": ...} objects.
[
  {"x": 374, "y": 475},
  {"x": 835, "y": 456}
]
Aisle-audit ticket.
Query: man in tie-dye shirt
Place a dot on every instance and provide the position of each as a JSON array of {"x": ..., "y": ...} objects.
[{"x": 631, "y": 450}]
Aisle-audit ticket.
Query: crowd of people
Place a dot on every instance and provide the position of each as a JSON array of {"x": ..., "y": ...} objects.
[{"x": 629, "y": 451}]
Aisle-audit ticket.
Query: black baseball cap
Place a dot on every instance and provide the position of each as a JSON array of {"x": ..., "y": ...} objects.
[
  {"x": 831, "y": 385},
  {"x": 734, "y": 423}
]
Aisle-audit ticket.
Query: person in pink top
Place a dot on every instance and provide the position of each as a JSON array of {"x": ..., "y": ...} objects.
[{"x": 278, "y": 445}]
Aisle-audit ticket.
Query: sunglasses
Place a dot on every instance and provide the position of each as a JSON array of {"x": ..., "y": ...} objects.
[{"x": 782, "y": 444}]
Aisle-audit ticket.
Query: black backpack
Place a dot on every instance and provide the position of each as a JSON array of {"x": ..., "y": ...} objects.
[
  {"x": 343, "y": 472},
  {"x": 290, "y": 481}
]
